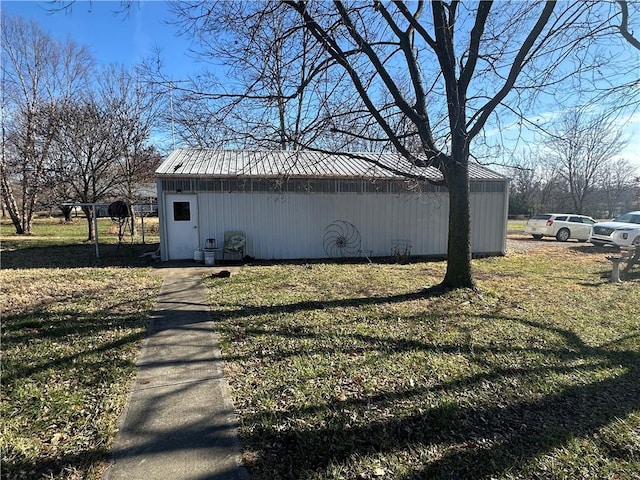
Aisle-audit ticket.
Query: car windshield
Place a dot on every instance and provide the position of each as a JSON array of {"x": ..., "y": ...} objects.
[{"x": 628, "y": 218}]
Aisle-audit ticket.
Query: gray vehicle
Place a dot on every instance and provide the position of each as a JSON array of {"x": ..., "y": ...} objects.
[{"x": 562, "y": 226}]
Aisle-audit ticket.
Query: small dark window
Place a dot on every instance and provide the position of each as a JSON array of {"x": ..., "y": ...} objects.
[
  {"x": 575, "y": 219},
  {"x": 181, "y": 211},
  {"x": 561, "y": 219}
]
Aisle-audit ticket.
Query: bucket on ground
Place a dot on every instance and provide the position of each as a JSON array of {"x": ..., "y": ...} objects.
[{"x": 209, "y": 257}]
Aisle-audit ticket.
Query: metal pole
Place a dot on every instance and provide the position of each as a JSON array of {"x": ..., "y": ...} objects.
[
  {"x": 95, "y": 230},
  {"x": 142, "y": 224}
]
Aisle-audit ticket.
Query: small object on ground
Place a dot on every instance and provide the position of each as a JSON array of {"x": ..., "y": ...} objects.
[
  {"x": 155, "y": 254},
  {"x": 222, "y": 274}
]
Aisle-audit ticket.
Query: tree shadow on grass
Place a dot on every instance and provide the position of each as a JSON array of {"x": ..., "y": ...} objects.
[
  {"x": 79, "y": 256},
  {"x": 54, "y": 465},
  {"x": 81, "y": 353},
  {"x": 475, "y": 439}
]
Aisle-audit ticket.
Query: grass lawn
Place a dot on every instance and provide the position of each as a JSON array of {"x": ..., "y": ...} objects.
[
  {"x": 352, "y": 372},
  {"x": 71, "y": 330},
  {"x": 516, "y": 226},
  {"x": 52, "y": 231}
]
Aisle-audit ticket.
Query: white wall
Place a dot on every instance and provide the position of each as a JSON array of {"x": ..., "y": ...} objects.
[{"x": 292, "y": 226}]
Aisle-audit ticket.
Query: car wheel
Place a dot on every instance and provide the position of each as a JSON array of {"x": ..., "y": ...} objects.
[
  {"x": 563, "y": 235},
  {"x": 537, "y": 236}
]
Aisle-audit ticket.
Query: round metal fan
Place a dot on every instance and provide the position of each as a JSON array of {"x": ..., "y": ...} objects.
[
  {"x": 120, "y": 212},
  {"x": 341, "y": 239}
]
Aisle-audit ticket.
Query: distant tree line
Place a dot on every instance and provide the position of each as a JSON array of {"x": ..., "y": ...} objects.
[
  {"x": 539, "y": 189},
  {"x": 575, "y": 168},
  {"x": 72, "y": 131}
]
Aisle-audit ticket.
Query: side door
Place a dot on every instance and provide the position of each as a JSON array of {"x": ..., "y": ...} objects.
[{"x": 182, "y": 225}]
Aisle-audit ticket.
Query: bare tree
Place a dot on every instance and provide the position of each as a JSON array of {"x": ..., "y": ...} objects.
[
  {"x": 133, "y": 111},
  {"x": 269, "y": 88},
  {"x": 465, "y": 61},
  {"x": 616, "y": 182},
  {"x": 102, "y": 141},
  {"x": 88, "y": 153},
  {"x": 38, "y": 76},
  {"x": 582, "y": 146}
]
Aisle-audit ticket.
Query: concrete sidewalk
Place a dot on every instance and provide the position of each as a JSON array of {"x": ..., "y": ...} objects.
[{"x": 179, "y": 424}]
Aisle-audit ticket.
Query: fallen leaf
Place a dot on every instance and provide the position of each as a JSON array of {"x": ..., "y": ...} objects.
[{"x": 56, "y": 439}]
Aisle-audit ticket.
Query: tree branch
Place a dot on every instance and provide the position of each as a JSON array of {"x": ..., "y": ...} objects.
[
  {"x": 624, "y": 25},
  {"x": 422, "y": 123},
  {"x": 520, "y": 60},
  {"x": 474, "y": 45},
  {"x": 334, "y": 50}
]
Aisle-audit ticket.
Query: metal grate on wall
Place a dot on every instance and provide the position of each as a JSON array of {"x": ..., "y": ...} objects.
[
  {"x": 487, "y": 187},
  {"x": 315, "y": 185}
]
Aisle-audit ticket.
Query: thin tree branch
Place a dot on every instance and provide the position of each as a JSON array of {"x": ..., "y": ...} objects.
[{"x": 517, "y": 66}]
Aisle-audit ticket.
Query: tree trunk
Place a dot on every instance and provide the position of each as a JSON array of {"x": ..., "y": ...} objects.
[
  {"x": 459, "y": 272},
  {"x": 132, "y": 219},
  {"x": 88, "y": 212},
  {"x": 12, "y": 208},
  {"x": 66, "y": 212},
  {"x": 10, "y": 201}
]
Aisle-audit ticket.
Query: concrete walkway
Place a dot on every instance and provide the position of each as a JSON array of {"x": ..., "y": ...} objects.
[{"x": 179, "y": 424}]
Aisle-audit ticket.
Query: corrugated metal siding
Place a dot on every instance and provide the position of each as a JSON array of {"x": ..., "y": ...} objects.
[
  {"x": 488, "y": 224},
  {"x": 292, "y": 226}
]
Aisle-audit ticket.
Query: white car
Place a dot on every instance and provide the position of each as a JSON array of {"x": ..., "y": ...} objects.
[
  {"x": 621, "y": 231},
  {"x": 563, "y": 226}
]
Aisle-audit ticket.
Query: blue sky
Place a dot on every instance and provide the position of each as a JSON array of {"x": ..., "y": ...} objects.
[
  {"x": 113, "y": 38},
  {"x": 131, "y": 38}
]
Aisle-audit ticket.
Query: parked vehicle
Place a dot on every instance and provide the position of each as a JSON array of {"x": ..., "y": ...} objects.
[
  {"x": 621, "y": 231},
  {"x": 563, "y": 226}
]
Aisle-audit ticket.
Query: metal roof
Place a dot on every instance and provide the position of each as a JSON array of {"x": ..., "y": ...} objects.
[{"x": 196, "y": 162}]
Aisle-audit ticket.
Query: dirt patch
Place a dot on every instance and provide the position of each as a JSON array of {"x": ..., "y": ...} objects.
[{"x": 521, "y": 243}]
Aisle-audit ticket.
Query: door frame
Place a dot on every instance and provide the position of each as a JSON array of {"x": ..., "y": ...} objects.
[{"x": 169, "y": 223}]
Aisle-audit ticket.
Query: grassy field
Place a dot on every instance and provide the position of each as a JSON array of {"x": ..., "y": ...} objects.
[
  {"x": 355, "y": 372},
  {"x": 516, "y": 226},
  {"x": 338, "y": 371},
  {"x": 71, "y": 330},
  {"x": 52, "y": 231}
]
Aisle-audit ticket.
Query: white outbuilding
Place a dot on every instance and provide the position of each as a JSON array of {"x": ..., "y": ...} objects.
[{"x": 272, "y": 205}]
